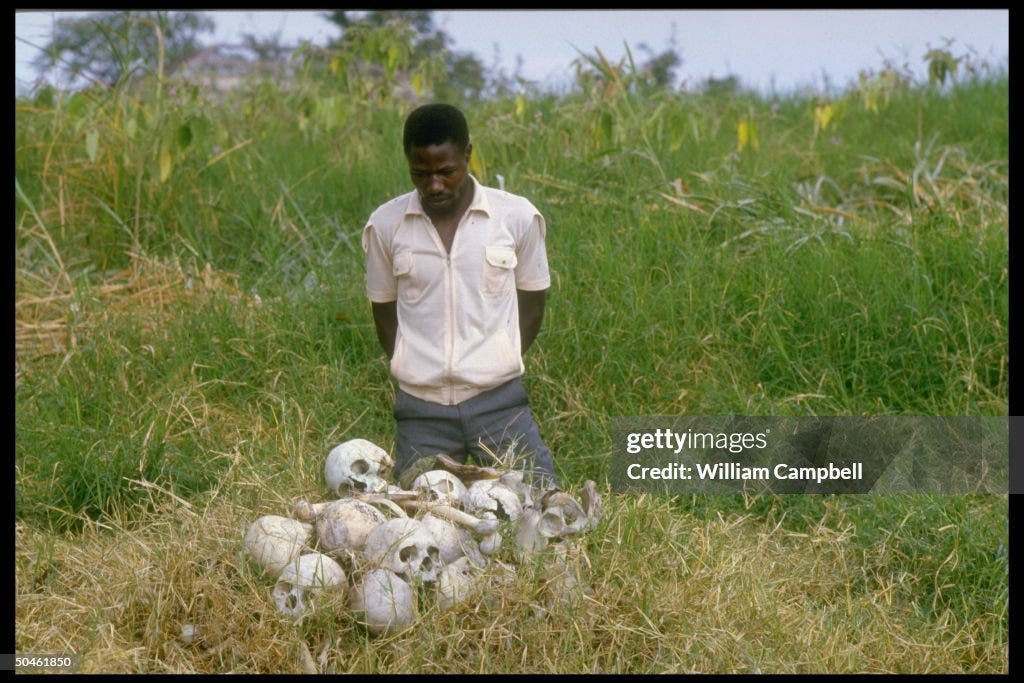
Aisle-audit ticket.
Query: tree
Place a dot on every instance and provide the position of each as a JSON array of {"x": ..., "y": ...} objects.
[
  {"x": 110, "y": 47},
  {"x": 268, "y": 49},
  {"x": 466, "y": 76},
  {"x": 661, "y": 67}
]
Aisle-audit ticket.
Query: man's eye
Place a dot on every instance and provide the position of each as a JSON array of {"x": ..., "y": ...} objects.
[{"x": 444, "y": 173}]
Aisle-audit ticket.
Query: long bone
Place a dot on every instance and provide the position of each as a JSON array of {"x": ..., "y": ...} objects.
[
  {"x": 411, "y": 500},
  {"x": 480, "y": 527},
  {"x": 464, "y": 471},
  {"x": 383, "y": 501},
  {"x": 304, "y": 511}
]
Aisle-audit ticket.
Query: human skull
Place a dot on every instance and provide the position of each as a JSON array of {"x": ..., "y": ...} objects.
[
  {"x": 456, "y": 582},
  {"x": 491, "y": 498},
  {"x": 441, "y": 486},
  {"x": 561, "y": 516},
  {"x": 357, "y": 466},
  {"x": 386, "y": 600},
  {"x": 303, "y": 578},
  {"x": 273, "y": 542},
  {"x": 516, "y": 480},
  {"x": 345, "y": 523},
  {"x": 406, "y": 547},
  {"x": 452, "y": 541}
]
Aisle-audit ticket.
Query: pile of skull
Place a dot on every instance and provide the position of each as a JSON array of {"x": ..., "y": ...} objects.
[{"x": 380, "y": 545}]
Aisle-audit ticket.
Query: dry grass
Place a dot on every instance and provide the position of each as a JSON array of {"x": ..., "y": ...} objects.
[
  {"x": 729, "y": 595},
  {"x": 53, "y": 315}
]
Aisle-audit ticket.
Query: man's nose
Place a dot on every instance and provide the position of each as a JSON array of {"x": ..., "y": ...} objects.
[{"x": 435, "y": 183}]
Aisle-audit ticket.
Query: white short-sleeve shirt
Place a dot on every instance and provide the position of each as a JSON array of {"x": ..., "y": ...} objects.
[{"x": 458, "y": 314}]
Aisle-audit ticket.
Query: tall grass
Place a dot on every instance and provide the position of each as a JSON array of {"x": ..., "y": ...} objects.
[{"x": 192, "y": 334}]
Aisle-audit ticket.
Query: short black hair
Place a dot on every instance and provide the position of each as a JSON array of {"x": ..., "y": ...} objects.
[{"x": 435, "y": 124}]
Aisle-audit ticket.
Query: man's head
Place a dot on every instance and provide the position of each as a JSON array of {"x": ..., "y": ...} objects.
[
  {"x": 435, "y": 124},
  {"x": 436, "y": 141}
]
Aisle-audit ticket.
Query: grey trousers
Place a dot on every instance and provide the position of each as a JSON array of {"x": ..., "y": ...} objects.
[{"x": 497, "y": 419}]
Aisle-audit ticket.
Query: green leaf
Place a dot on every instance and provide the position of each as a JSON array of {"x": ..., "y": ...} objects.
[
  {"x": 184, "y": 135},
  {"x": 393, "y": 56},
  {"x": 607, "y": 126},
  {"x": 92, "y": 144},
  {"x": 166, "y": 161}
]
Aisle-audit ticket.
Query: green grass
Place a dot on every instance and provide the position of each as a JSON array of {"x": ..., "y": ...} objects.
[{"x": 193, "y": 335}]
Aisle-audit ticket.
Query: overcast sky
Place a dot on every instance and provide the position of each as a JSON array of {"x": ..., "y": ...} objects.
[{"x": 786, "y": 49}]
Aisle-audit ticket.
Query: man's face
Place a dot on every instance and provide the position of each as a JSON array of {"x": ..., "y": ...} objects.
[{"x": 441, "y": 176}]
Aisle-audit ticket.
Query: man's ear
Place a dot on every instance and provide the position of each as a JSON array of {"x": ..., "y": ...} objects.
[{"x": 469, "y": 151}]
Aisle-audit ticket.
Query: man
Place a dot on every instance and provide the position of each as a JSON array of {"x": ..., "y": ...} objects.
[{"x": 457, "y": 274}]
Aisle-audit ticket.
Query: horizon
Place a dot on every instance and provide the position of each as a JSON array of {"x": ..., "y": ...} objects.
[{"x": 819, "y": 50}]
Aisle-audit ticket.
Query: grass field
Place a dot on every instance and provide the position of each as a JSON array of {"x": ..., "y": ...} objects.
[{"x": 192, "y": 335}]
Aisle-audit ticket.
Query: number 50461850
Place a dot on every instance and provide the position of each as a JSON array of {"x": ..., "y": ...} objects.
[{"x": 36, "y": 662}]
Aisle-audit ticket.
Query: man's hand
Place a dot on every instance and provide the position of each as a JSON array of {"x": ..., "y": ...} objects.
[
  {"x": 385, "y": 319},
  {"x": 531, "y": 313}
]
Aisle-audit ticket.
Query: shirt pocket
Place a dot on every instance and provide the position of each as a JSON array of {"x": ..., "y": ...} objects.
[
  {"x": 499, "y": 270},
  {"x": 403, "y": 267}
]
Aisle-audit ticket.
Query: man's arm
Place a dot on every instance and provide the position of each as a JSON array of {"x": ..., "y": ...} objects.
[
  {"x": 531, "y": 313},
  {"x": 385, "y": 319}
]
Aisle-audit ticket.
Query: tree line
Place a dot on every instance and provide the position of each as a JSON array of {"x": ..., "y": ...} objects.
[{"x": 110, "y": 48}]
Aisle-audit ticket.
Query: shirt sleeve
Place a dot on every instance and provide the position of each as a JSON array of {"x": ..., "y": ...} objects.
[
  {"x": 381, "y": 285},
  {"x": 532, "y": 268}
]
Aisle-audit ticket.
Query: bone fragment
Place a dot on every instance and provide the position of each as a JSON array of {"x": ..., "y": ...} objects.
[
  {"x": 304, "y": 511},
  {"x": 481, "y": 527},
  {"x": 383, "y": 500},
  {"x": 464, "y": 471}
]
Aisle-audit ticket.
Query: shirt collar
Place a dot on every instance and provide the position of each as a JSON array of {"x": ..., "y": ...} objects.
[{"x": 479, "y": 202}]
